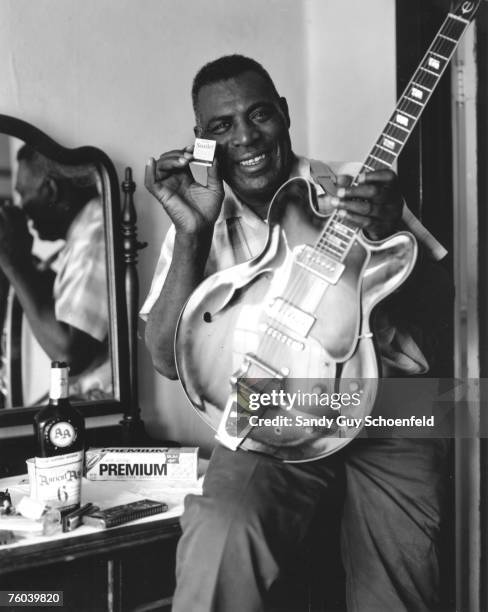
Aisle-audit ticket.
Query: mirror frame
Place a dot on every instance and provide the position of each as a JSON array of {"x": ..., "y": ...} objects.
[{"x": 118, "y": 326}]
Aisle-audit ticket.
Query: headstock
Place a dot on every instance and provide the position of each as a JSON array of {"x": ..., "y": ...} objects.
[{"x": 466, "y": 9}]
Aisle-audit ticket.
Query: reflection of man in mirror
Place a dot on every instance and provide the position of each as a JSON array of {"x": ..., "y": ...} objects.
[{"x": 64, "y": 297}]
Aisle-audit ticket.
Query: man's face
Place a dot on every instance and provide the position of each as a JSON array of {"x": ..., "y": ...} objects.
[
  {"x": 37, "y": 202},
  {"x": 250, "y": 125}
]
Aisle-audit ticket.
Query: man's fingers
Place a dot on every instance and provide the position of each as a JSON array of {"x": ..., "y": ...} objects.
[
  {"x": 372, "y": 204},
  {"x": 362, "y": 208},
  {"x": 378, "y": 176},
  {"x": 362, "y": 192},
  {"x": 344, "y": 180},
  {"x": 150, "y": 174},
  {"x": 214, "y": 180},
  {"x": 374, "y": 229},
  {"x": 362, "y": 221},
  {"x": 172, "y": 162},
  {"x": 168, "y": 164},
  {"x": 154, "y": 177}
]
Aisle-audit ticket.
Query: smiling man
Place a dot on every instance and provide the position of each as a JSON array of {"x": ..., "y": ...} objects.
[
  {"x": 255, "y": 513},
  {"x": 64, "y": 299},
  {"x": 250, "y": 123}
]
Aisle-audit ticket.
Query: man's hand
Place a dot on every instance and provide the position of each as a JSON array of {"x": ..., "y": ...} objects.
[
  {"x": 15, "y": 238},
  {"x": 192, "y": 207},
  {"x": 375, "y": 204}
]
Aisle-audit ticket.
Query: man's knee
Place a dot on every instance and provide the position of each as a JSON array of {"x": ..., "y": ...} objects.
[
  {"x": 218, "y": 521},
  {"x": 220, "y": 541}
]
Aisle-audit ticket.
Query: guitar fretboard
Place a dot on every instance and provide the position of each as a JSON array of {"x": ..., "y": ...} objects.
[
  {"x": 339, "y": 233},
  {"x": 416, "y": 95}
]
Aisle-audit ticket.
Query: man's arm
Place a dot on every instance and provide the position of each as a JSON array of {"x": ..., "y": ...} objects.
[
  {"x": 184, "y": 275},
  {"x": 34, "y": 290},
  {"x": 375, "y": 204},
  {"x": 193, "y": 208},
  {"x": 421, "y": 308},
  {"x": 60, "y": 341}
]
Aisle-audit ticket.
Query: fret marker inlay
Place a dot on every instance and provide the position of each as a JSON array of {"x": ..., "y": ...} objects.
[
  {"x": 337, "y": 237},
  {"x": 434, "y": 63},
  {"x": 402, "y": 120},
  {"x": 417, "y": 93}
]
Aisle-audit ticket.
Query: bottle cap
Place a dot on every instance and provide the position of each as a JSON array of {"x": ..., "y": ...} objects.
[
  {"x": 59, "y": 364},
  {"x": 59, "y": 380}
]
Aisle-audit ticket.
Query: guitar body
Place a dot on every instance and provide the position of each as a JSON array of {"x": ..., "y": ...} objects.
[
  {"x": 291, "y": 319},
  {"x": 291, "y": 327}
]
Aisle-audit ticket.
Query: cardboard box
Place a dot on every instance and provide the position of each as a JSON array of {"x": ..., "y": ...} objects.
[
  {"x": 156, "y": 464},
  {"x": 56, "y": 481},
  {"x": 204, "y": 151}
]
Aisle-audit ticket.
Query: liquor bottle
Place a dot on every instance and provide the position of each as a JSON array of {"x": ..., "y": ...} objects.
[
  {"x": 55, "y": 474},
  {"x": 60, "y": 428}
]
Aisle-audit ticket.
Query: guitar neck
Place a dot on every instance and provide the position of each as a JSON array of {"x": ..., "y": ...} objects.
[
  {"x": 411, "y": 104},
  {"x": 339, "y": 232}
]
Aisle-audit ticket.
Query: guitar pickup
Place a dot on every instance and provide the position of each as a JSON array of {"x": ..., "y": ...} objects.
[
  {"x": 320, "y": 264},
  {"x": 295, "y": 319}
]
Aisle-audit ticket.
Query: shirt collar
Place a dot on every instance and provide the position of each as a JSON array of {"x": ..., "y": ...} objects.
[
  {"x": 303, "y": 170},
  {"x": 233, "y": 207}
]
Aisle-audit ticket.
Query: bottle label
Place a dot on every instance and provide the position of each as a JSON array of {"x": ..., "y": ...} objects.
[
  {"x": 59, "y": 383},
  {"x": 56, "y": 481},
  {"x": 62, "y": 434}
]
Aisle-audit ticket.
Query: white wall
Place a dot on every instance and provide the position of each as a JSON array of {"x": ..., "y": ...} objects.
[
  {"x": 351, "y": 75},
  {"x": 116, "y": 74}
]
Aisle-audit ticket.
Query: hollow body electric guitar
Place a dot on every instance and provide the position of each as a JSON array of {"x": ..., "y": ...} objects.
[{"x": 277, "y": 353}]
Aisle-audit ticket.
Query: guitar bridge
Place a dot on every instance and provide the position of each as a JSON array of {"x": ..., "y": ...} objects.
[{"x": 234, "y": 425}]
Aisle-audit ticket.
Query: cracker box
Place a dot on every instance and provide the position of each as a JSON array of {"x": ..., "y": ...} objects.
[{"x": 156, "y": 464}]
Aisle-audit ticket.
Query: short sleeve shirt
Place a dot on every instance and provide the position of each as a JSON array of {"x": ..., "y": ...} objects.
[
  {"x": 240, "y": 234},
  {"x": 80, "y": 287}
]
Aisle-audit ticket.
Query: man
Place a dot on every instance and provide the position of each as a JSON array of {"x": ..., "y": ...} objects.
[
  {"x": 255, "y": 513},
  {"x": 65, "y": 300}
]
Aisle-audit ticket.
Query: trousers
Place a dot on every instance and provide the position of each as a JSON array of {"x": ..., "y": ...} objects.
[{"x": 256, "y": 513}]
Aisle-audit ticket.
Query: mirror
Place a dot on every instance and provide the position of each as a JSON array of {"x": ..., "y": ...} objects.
[{"x": 61, "y": 274}]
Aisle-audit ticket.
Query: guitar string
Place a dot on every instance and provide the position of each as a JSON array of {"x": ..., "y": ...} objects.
[
  {"x": 421, "y": 78},
  {"x": 440, "y": 46},
  {"x": 444, "y": 48}
]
